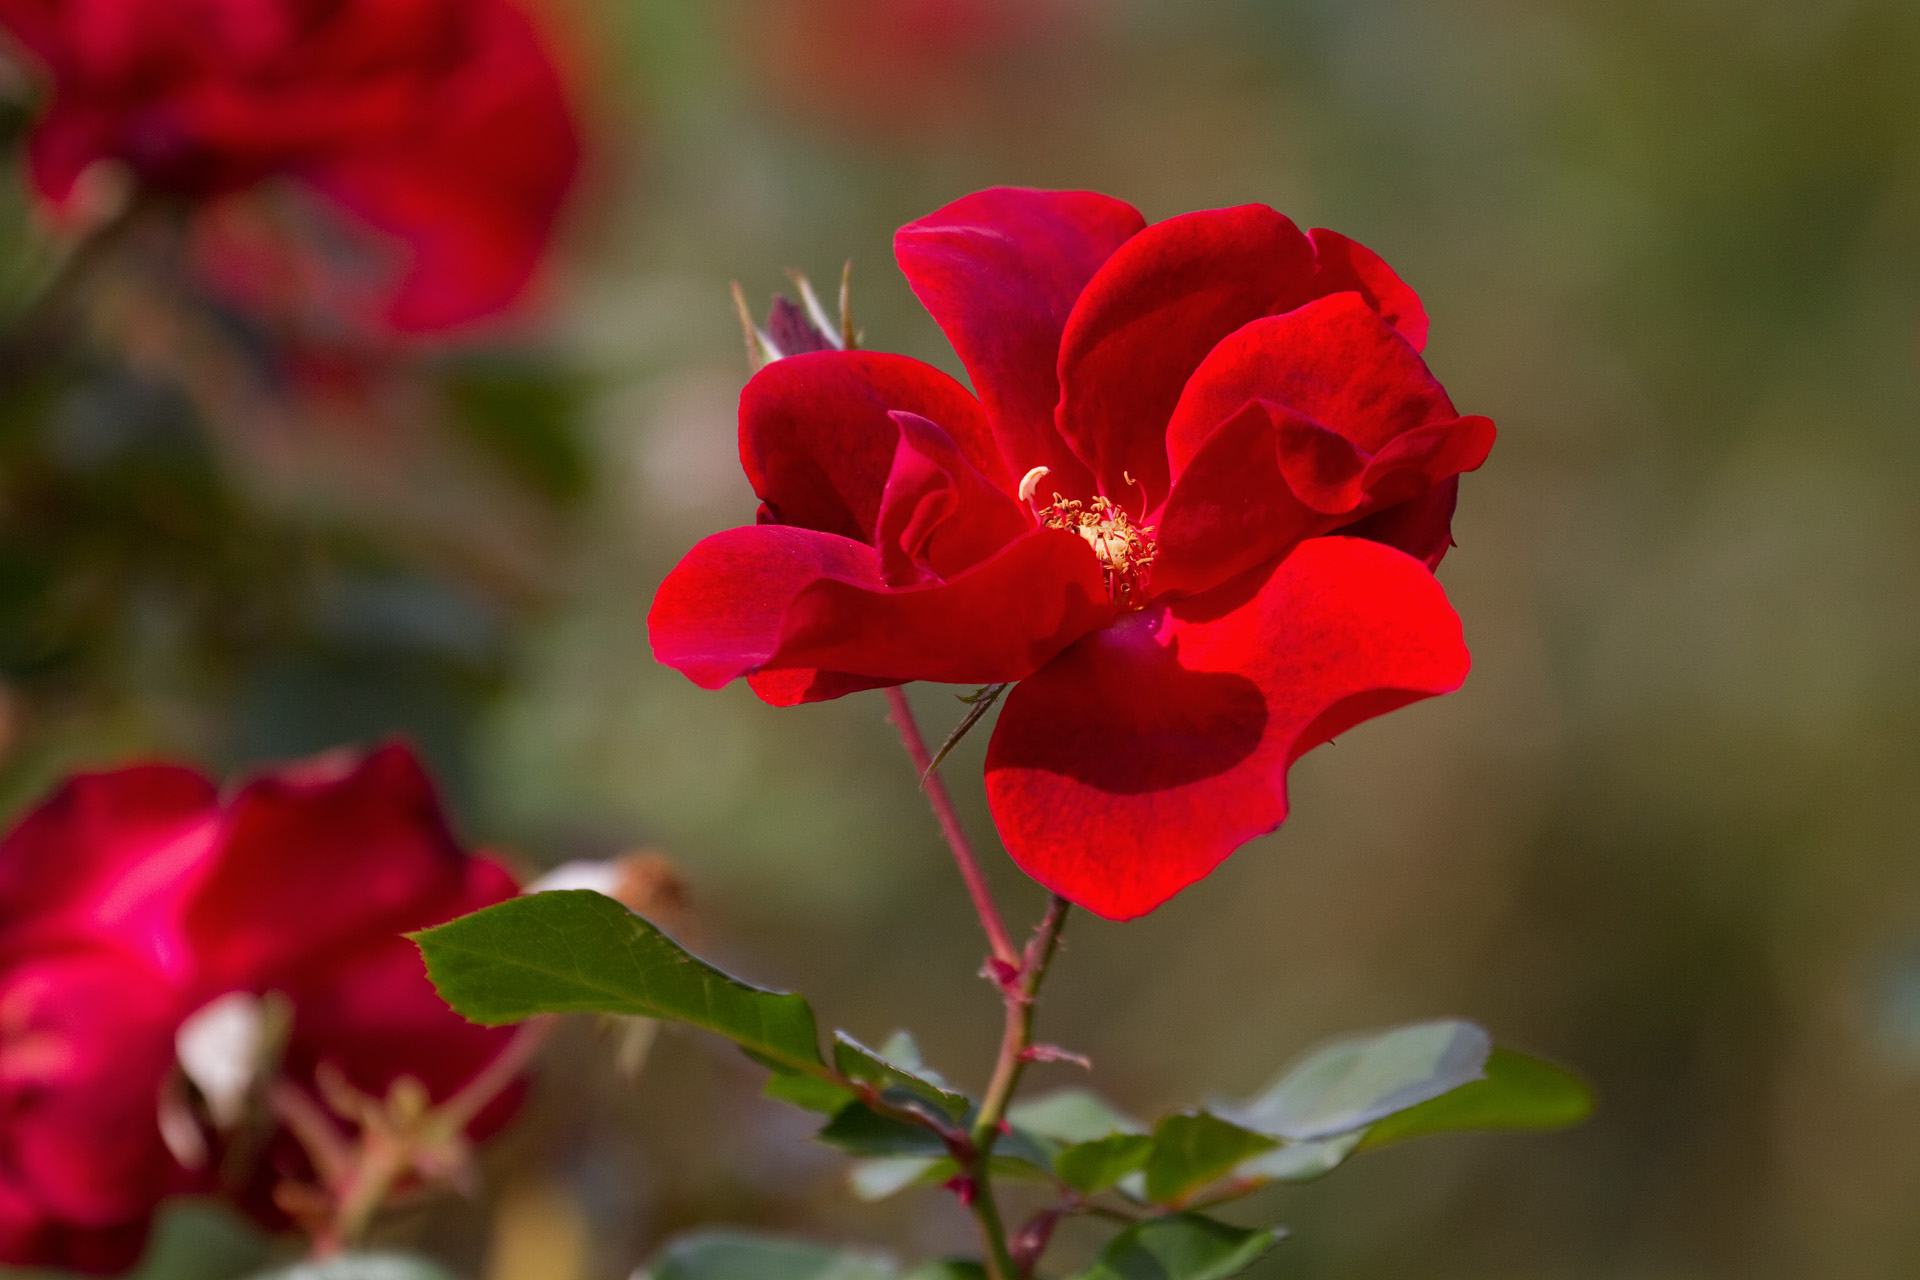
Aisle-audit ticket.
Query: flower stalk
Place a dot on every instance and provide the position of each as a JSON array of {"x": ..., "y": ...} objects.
[
  {"x": 1016, "y": 1040},
  {"x": 1005, "y": 959}
]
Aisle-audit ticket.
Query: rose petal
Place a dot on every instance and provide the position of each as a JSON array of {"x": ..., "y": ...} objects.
[
  {"x": 718, "y": 615},
  {"x": 1148, "y": 318},
  {"x": 1341, "y": 264},
  {"x": 1233, "y": 506},
  {"x": 775, "y": 598},
  {"x": 1333, "y": 361},
  {"x": 817, "y": 441},
  {"x": 372, "y": 1011},
  {"x": 475, "y": 185},
  {"x": 1139, "y": 759},
  {"x": 89, "y": 1038},
  {"x": 319, "y": 856},
  {"x": 791, "y": 686},
  {"x": 999, "y": 270},
  {"x": 998, "y": 621},
  {"x": 940, "y": 516},
  {"x": 1268, "y": 478},
  {"x": 110, "y": 856},
  {"x": 1413, "y": 463},
  {"x": 1422, "y": 527}
]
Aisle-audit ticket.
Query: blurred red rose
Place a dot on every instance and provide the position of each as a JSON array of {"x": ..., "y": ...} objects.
[
  {"x": 440, "y": 127},
  {"x": 1135, "y": 519},
  {"x": 133, "y": 899}
]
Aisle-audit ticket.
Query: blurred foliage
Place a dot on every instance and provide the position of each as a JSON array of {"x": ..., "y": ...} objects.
[{"x": 1665, "y": 834}]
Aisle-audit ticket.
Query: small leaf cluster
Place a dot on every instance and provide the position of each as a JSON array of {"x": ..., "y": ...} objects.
[{"x": 577, "y": 951}]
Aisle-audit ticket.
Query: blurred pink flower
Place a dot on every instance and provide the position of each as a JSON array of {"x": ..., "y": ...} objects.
[
  {"x": 133, "y": 899},
  {"x": 440, "y": 128}
]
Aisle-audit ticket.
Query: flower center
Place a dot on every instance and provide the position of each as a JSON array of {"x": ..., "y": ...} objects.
[{"x": 1125, "y": 549}]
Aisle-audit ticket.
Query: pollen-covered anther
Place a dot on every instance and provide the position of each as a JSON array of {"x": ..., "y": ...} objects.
[{"x": 1125, "y": 550}]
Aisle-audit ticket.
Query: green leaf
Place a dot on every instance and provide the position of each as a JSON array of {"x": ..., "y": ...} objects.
[
  {"x": 736, "y": 1255},
  {"x": 1070, "y": 1116},
  {"x": 859, "y": 1130},
  {"x": 808, "y": 1092},
  {"x": 1300, "y": 1161},
  {"x": 577, "y": 951},
  {"x": 1097, "y": 1165},
  {"x": 361, "y": 1266},
  {"x": 1189, "y": 1151},
  {"x": 1180, "y": 1246},
  {"x": 951, "y": 1269},
  {"x": 1352, "y": 1083},
  {"x": 879, "y": 1179},
  {"x": 899, "y": 1069},
  {"x": 1519, "y": 1092}
]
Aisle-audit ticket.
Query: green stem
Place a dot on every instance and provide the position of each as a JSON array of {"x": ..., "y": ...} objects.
[{"x": 1015, "y": 1040}]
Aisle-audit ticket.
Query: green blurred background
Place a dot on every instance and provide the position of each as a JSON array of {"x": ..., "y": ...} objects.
[{"x": 1669, "y": 833}]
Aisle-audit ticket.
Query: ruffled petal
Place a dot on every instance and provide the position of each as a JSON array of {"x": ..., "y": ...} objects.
[
  {"x": 89, "y": 1041},
  {"x": 1268, "y": 478},
  {"x": 475, "y": 187},
  {"x": 322, "y": 856},
  {"x": 999, "y": 271},
  {"x": 1000, "y": 620},
  {"x": 940, "y": 516},
  {"x": 718, "y": 615},
  {"x": 109, "y": 858},
  {"x": 1333, "y": 360},
  {"x": 1340, "y": 264},
  {"x": 766, "y": 599},
  {"x": 1145, "y": 322},
  {"x": 817, "y": 439},
  {"x": 1232, "y": 506},
  {"x": 1139, "y": 759},
  {"x": 792, "y": 686},
  {"x": 1422, "y": 527},
  {"x": 372, "y": 1012}
]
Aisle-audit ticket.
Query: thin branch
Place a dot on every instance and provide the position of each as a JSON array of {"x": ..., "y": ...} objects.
[
  {"x": 1016, "y": 1039},
  {"x": 1007, "y": 958}
]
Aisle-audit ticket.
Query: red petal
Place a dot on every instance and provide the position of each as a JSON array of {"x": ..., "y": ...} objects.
[
  {"x": 1268, "y": 478},
  {"x": 1000, "y": 620},
  {"x": 940, "y": 516},
  {"x": 791, "y": 686},
  {"x": 110, "y": 857},
  {"x": 817, "y": 440},
  {"x": 718, "y": 615},
  {"x": 1146, "y": 321},
  {"x": 1422, "y": 527},
  {"x": 1136, "y": 761},
  {"x": 1411, "y": 464},
  {"x": 322, "y": 856},
  {"x": 1332, "y": 360},
  {"x": 1234, "y": 507},
  {"x": 778, "y": 598},
  {"x": 1000, "y": 270},
  {"x": 372, "y": 1011},
  {"x": 89, "y": 1040},
  {"x": 475, "y": 186},
  {"x": 1341, "y": 264}
]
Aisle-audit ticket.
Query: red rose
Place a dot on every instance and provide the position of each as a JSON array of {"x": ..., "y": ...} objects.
[
  {"x": 439, "y": 123},
  {"x": 1248, "y": 475},
  {"x": 133, "y": 899}
]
